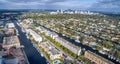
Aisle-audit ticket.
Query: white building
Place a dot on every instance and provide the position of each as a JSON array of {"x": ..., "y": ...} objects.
[
  {"x": 68, "y": 45},
  {"x": 36, "y": 36},
  {"x": 65, "y": 43},
  {"x": 10, "y": 25},
  {"x": 50, "y": 49},
  {"x": 51, "y": 34},
  {"x": 53, "y": 13}
]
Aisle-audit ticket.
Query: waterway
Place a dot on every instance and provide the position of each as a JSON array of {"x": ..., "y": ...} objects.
[
  {"x": 81, "y": 45},
  {"x": 34, "y": 57}
]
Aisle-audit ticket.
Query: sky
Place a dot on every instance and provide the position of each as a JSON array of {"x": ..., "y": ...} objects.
[{"x": 93, "y": 5}]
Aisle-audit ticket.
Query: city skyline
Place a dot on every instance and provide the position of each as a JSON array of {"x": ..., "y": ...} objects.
[{"x": 92, "y": 5}]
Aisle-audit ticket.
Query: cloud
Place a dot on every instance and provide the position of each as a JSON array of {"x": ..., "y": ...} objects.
[
  {"x": 31, "y": 1},
  {"x": 34, "y": 4},
  {"x": 106, "y": 5},
  {"x": 109, "y": 3},
  {"x": 98, "y": 5},
  {"x": 49, "y": 4}
]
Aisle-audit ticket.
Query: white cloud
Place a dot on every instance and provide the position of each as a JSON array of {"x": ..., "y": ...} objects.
[
  {"x": 4, "y": 1},
  {"x": 29, "y": 3}
]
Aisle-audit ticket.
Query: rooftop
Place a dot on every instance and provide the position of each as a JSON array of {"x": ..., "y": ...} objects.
[
  {"x": 15, "y": 56},
  {"x": 10, "y": 40},
  {"x": 100, "y": 57},
  {"x": 50, "y": 48},
  {"x": 68, "y": 43},
  {"x": 35, "y": 34}
]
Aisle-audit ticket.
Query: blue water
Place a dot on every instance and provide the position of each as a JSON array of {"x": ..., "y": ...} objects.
[{"x": 32, "y": 54}]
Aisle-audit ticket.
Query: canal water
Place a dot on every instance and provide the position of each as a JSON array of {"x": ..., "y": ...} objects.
[
  {"x": 33, "y": 55},
  {"x": 81, "y": 45}
]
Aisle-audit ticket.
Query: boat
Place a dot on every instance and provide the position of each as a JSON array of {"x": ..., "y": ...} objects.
[
  {"x": 77, "y": 41},
  {"x": 42, "y": 55},
  {"x": 22, "y": 46}
]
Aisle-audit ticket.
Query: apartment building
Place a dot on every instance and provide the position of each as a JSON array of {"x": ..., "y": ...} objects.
[
  {"x": 50, "y": 49},
  {"x": 96, "y": 58},
  {"x": 68, "y": 45},
  {"x": 36, "y": 36},
  {"x": 11, "y": 41}
]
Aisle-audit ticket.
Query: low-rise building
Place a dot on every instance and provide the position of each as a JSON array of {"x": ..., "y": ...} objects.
[
  {"x": 15, "y": 56},
  {"x": 10, "y": 41},
  {"x": 65, "y": 43},
  {"x": 53, "y": 35},
  {"x": 10, "y": 31},
  {"x": 50, "y": 49},
  {"x": 11, "y": 61},
  {"x": 96, "y": 58},
  {"x": 10, "y": 25},
  {"x": 50, "y": 33},
  {"x": 36, "y": 36},
  {"x": 19, "y": 55},
  {"x": 68, "y": 45}
]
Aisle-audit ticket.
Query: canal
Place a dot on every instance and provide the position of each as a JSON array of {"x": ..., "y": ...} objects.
[
  {"x": 81, "y": 45},
  {"x": 33, "y": 55}
]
